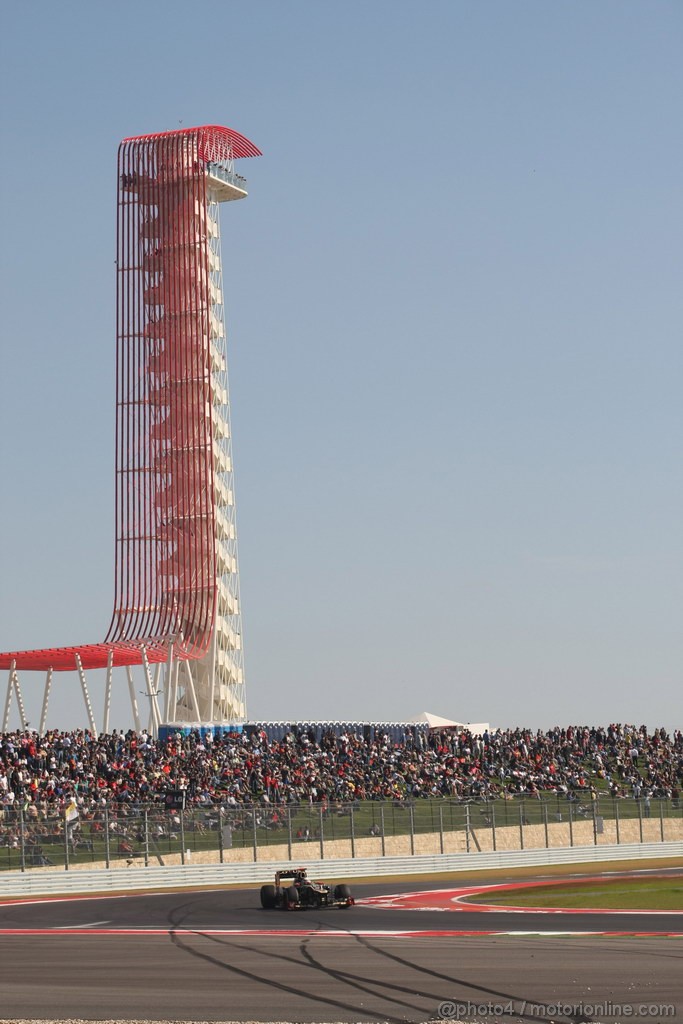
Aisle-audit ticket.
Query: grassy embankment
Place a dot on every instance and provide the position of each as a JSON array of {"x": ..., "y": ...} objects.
[{"x": 610, "y": 894}]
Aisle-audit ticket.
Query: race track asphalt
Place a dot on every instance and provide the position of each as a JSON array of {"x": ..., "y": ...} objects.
[{"x": 216, "y": 956}]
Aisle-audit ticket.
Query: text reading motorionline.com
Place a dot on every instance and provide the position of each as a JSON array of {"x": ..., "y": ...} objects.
[{"x": 605, "y": 1010}]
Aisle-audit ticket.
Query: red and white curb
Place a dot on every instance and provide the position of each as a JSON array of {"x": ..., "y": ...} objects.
[
  {"x": 279, "y": 933},
  {"x": 460, "y": 899}
]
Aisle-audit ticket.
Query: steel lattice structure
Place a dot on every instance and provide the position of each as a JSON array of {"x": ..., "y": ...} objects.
[{"x": 176, "y": 600}]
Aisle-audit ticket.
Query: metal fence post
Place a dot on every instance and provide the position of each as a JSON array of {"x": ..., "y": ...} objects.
[
  {"x": 145, "y": 818},
  {"x": 412, "y": 831},
  {"x": 493, "y": 825},
  {"x": 106, "y": 838},
  {"x": 616, "y": 822},
  {"x": 66, "y": 843},
  {"x": 467, "y": 828},
  {"x": 661, "y": 820},
  {"x": 22, "y": 839},
  {"x": 521, "y": 826},
  {"x": 571, "y": 825},
  {"x": 640, "y": 819},
  {"x": 381, "y": 819},
  {"x": 253, "y": 829},
  {"x": 289, "y": 832},
  {"x": 441, "y": 828},
  {"x": 595, "y": 825},
  {"x": 545, "y": 825},
  {"x": 353, "y": 834},
  {"x": 322, "y": 828},
  {"x": 182, "y": 835},
  {"x": 220, "y": 834}
]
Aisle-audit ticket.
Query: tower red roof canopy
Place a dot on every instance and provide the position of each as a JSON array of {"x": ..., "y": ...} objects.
[{"x": 215, "y": 142}]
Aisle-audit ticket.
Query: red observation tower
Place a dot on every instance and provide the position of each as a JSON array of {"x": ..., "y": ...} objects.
[{"x": 176, "y": 592}]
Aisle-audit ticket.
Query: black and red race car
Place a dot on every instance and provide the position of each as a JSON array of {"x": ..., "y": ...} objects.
[{"x": 294, "y": 890}]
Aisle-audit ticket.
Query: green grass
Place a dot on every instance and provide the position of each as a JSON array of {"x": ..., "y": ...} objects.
[{"x": 610, "y": 894}]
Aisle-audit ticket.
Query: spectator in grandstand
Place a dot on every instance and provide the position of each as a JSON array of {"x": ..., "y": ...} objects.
[{"x": 41, "y": 774}]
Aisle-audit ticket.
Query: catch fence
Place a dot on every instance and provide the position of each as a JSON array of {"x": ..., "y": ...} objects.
[{"x": 127, "y": 835}]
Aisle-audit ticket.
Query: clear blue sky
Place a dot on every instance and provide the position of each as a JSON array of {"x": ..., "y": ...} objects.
[{"x": 454, "y": 309}]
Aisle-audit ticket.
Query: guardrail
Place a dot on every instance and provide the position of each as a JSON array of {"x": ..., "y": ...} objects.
[{"x": 44, "y": 882}]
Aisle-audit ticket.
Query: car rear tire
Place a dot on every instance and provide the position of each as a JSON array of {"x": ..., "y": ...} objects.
[
  {"x": 342, "y": 892},
  {"x": 292, "y": 896},
  {"x": 268, "y": 897}
]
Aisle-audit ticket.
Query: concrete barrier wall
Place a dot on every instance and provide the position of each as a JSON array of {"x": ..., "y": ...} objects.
[{"x": 47, "y": 881}]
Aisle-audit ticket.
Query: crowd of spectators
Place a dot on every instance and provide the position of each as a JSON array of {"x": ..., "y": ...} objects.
[{"x": 44, "y": 774}]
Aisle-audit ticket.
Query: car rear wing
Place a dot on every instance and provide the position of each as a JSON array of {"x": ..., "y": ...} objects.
[{"x": 290, "y": 873}]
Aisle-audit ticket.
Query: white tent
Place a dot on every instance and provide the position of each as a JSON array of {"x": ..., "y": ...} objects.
[
  {"x": 434, "y": 721},
  {"x": 478, "y": 728}
]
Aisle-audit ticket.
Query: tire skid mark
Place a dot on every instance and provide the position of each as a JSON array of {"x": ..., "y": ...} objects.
[{"x": 252, "y": 978}]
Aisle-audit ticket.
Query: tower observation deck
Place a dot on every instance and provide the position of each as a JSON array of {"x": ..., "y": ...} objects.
[{"x": 176, "y": 593}]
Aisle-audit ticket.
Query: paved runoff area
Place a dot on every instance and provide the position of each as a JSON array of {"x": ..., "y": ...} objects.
[{"x": 406, "y": 952}]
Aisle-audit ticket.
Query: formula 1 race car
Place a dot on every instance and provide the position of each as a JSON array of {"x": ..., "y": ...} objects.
[{"x": 300, "y": 893}]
